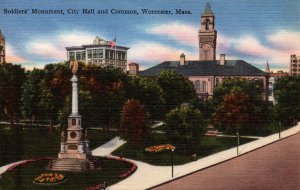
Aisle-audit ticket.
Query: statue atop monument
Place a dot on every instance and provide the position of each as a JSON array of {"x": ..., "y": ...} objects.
[{"x": 73, "y": 66}]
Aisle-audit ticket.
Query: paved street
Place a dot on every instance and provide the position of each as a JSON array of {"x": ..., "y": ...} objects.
[{"x": 273, "y": 167}]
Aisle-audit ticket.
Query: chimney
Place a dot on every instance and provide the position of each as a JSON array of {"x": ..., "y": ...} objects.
[
  {"x": 133, "y": 68},
  {"x": 222, "y": 59},
  {"x": 182, "y": 59}
]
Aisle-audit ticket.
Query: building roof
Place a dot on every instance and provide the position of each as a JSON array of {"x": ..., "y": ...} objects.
[
  {"x": 132, "y": 64},
  {"x": 94, "y": 46},
  {"x": 208, "y": 9},
  {"x": 205, "y": 68}
]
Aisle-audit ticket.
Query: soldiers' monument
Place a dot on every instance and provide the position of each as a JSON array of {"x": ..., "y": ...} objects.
[{"x": 74, "y": 152}]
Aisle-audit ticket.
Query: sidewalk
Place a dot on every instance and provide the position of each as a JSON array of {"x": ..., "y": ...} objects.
[
  {"x": 148, "y": 175},
  {"x": 109, "y": 147}
]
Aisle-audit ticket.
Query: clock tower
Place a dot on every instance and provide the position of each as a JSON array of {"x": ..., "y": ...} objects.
[{"x": 207, "y": 36}]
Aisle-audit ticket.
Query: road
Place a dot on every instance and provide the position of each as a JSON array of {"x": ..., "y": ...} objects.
[{"x": 273, "y": 167}]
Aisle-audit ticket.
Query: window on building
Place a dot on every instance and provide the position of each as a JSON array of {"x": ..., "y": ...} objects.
[
  {"x": 100, "y": 53},
  {"x": 78, "y": 55},
  {"x": 204, "y": 87},
  {"x": 71, "y": 55},
  {"x": 89, "y": 52},
  {"x": 197, "y": 86},
  {"x": 111, "y": 55},
  {"x": 207, "y": 24},
  {"x": 217, "y": 81},
  {"x": 270, "y": 92},
  {"x": 82, "y": 55}
]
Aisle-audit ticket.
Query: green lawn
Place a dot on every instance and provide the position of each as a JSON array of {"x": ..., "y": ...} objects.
[
  {"x": 183, "y": 153},
  {"x": 21, "y": 178},
  {"x": 29, "y": 143}
]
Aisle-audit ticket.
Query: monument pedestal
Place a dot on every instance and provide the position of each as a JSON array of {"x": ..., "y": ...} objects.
[{"x": 74, "y": 153}]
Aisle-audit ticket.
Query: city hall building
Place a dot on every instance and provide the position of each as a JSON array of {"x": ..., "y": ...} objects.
[
  {"x": 2, "y": 48},
  {"x": 207, "y": 72},
  {"x": 101, "y": 52}
]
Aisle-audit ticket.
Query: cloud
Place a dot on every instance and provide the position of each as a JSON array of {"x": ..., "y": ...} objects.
[
  {"x": 53, "y": 49},
  {"x": 149, "y": 51},
  {"x": 180, "y": 32},
  {"x": 11, "y": 55},
  {"x": 287, "y": 40},
  {"x": 277, "y": 47}
]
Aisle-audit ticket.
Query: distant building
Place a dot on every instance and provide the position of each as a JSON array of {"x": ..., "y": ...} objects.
[
  {"x": 207, "y": 72},
  {"x": 206, "y": 75},
  {"x": 273, "y": 77},
  {"x": 295, "y": 65},
  {"x": 2, "y": 48},
  {"x": 133, "y": 68},
  {"x": 207, "y": 36},
  {"x": 101, "y": 52}
]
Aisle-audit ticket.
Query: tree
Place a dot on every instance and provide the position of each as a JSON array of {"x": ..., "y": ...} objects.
[
  {"x": 287, "y": 92},
  {"x": 234, "y": 110},
  {"x": 133, "y": 121},
  {"x": 30, "y": 94},
  {"x": 107, "y": 87},
  {"x": 176, "y": 89},
  {"x": 46, "y": 103},
  {"x": 254, "y": 90},
  {"x": 148, "y": 92},
  {"x": 12, "y": 78},
  {"x": 185, "y": 125}
]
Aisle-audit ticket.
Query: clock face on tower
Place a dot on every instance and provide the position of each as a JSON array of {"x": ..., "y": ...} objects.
[{"x": 206, "y": 47}]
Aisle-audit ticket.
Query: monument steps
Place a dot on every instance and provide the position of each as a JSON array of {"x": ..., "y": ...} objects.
[{"x": 71, "y": 165}]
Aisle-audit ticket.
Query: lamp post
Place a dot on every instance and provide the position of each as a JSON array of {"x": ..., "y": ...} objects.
[
  {"x": 238, "y": 142},
  {"x": 279, "y": 130},
  {"x": 173, "y": 149}
]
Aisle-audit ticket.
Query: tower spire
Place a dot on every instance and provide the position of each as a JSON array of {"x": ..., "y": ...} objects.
[
  {"x": 207, "y": 36},
  {"x": 208, "y": 9},
  {"x": 267, "y": 70}
]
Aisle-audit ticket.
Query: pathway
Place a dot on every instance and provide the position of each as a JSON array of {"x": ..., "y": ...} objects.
[
  {"x": 107, "y": 148},
  {"x": 148, "y": 175},
  {"x": 276, "y": 166}
]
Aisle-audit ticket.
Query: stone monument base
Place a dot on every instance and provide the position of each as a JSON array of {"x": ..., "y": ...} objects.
[{"x": 73, "y": 164}]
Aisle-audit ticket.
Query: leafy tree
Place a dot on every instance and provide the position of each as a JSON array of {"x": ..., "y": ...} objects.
[
  {"x": 133, "y": 121},
  {"x": 46, "y": 103},
  {"x": 176, "y": 89},
  {"x": 12, "y": 78},
  {"x": 234, "y": 110},
  {"x": 107, "y": 86},
  {"x": 30, "y": 94},
  {"x": 287, "y": 93},
  {"x": 148, "y": 92},
  {"x": 254, "y": 90},
  {"x": 185, "y": 125}
]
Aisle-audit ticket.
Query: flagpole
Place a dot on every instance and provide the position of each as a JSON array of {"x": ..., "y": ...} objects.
[{"x": 115, "y": 51}]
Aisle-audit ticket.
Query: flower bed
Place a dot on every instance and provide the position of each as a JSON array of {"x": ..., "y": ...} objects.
[
  {"x": 159, "y": 148},
  {"x": 50, "y": 179},
  {"x": 12, "y": 167},
  {"x": 97, "y": 187},
  {"x": 128, "y": 172}
]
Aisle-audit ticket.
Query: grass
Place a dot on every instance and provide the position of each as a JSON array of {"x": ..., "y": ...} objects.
[
  {"x": 29, "y": 143},
  {"x": 182, "y": 154},
  {"x": 22, "y": 177}
]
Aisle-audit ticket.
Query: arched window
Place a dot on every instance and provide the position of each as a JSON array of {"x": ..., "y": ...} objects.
[
  {"x": 217, "y": 81},
  {"x": 203, "y": 87},
  {"x": 197, "y": 86},
  {"x": 207, "y": 24}
]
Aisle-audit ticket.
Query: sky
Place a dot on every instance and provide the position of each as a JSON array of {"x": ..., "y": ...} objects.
[{"x": 255, "y": 31}]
